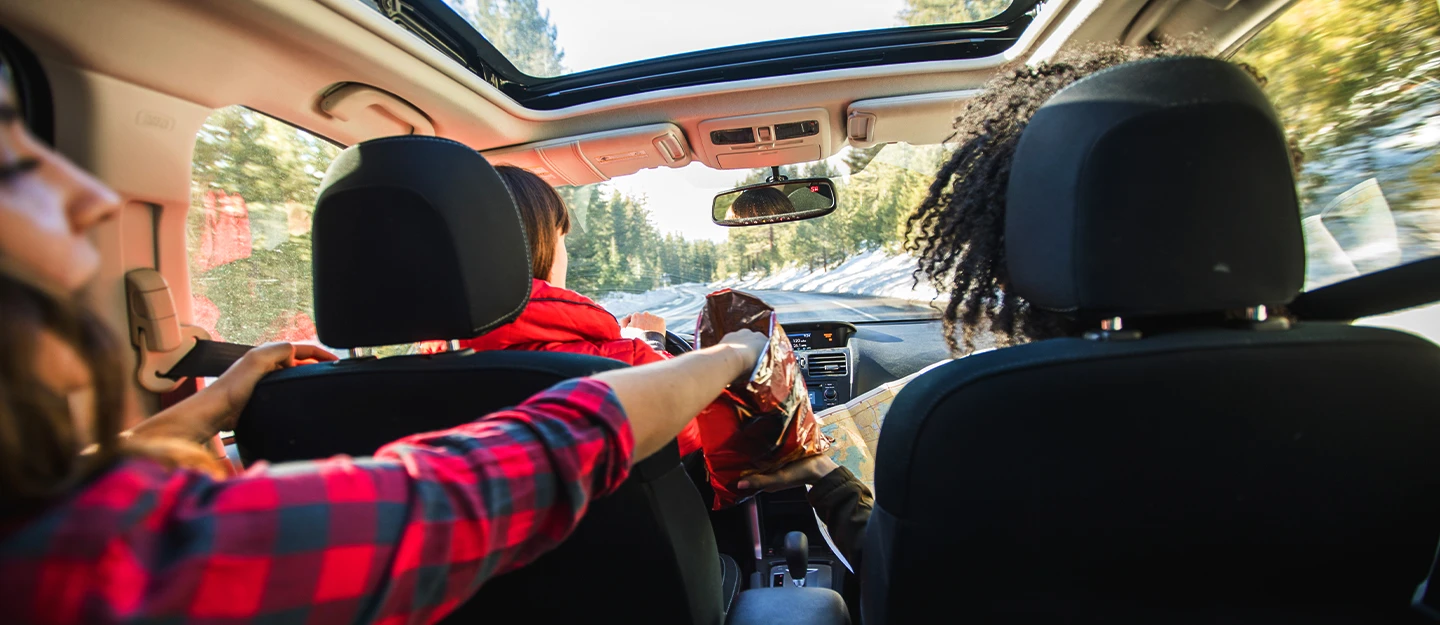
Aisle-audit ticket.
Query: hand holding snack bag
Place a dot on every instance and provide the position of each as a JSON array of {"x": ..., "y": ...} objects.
[{"x": 771, "y": 424}]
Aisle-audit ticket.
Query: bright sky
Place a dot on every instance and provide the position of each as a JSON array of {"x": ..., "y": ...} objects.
[{"x": 594, "y": 33}]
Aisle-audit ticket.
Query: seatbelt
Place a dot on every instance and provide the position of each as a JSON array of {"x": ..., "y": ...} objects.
[
  {"x": 1427, "y": 594},
  {"x": 1390, "y": 290},
  {"x": 207, "y": 359}
]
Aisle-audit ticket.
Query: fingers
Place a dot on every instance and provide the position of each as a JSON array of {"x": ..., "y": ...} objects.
[
  {"x": 753, "y": 342},
  {"x": 272, "y": 356},
  {"x": 757, "y": 482},
  {"x": 313, "y": 353},
  {"x": 778, "y": 480}
]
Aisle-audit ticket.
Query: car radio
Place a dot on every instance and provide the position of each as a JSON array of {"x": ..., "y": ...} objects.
[{"x": 824, "y": 356}]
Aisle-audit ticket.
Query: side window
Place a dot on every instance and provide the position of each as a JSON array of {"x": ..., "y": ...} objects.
[
  {"x": 252, "y": 195},
  {"x": 1356, "y": 83}
]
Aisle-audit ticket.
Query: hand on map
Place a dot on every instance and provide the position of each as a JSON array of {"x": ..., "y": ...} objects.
[{"x": 807, "y": 471}]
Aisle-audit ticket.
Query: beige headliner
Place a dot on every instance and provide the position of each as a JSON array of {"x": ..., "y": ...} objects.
[
  {"x": 278, "y": 56},
  {"x": 133, "y": 80}
]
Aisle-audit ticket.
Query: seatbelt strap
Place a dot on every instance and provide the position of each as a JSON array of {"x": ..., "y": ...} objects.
[
  {"x": 1427, "y": 594},
  {"x": 207, "y": 359}
]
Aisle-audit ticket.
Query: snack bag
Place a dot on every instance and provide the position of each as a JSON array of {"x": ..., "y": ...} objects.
[{"x": 771, "y": 424}]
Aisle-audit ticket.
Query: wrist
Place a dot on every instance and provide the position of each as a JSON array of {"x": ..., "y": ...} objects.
[
  {"x": 741, "y": 358},
  {"x": 210, "y": 409},
  {"x": 822, "y": 467}
]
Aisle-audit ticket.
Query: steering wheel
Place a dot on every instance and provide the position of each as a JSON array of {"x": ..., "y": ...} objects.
[{"x": 676, "y": 344}]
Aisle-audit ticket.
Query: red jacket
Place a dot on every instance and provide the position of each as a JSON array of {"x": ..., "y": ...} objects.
[{"x": 559, "y": 320}]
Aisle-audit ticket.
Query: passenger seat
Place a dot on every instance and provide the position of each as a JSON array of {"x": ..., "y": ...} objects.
[
  {"x": 417, "y": 238},
  {"x": 1206, "y": 471}
]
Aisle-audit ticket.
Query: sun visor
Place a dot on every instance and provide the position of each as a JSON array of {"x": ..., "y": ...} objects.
[
  {"x": 920, "y": 119},
  {"x": 597, "y": 157}
]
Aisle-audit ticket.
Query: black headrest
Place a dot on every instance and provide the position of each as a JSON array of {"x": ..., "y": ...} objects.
[
  {"x": 416, "y": 238},
  {"x": 1157, "y": 187}
]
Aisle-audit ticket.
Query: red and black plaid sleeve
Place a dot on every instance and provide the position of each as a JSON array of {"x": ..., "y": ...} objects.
[{"x": 402, "y": 537}]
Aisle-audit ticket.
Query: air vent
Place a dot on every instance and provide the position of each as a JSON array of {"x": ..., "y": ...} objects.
[{"x": 829, "y": 364}]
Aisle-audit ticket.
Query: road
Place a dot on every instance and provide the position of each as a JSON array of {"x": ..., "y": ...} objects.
[{"x": 793, "y": 306}]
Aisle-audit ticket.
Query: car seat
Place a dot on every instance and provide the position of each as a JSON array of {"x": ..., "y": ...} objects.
[
  {"x": 1189, "y": 460},
  {"x": 417, "y": 238}
]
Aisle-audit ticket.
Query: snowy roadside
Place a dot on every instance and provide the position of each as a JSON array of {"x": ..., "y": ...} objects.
[
  {"x": 625, "y": 303},
  {"x": 871, "y": 273}
]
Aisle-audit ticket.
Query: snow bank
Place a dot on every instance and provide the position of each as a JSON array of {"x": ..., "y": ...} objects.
[
  {"x": 871, "y": 273},
  {"x": 626, "y": 303}
]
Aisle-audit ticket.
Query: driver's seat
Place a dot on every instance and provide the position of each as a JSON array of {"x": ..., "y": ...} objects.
[{"x": 417, "y": 238}]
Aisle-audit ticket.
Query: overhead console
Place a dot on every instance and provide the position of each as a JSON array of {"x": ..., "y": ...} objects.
[
  {"x": 921, "y": 119},
  {"x": 600, "y": 156},
  {"x": 766, "y": 139}
]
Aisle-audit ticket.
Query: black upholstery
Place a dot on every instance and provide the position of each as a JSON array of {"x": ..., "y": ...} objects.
[
  {"x": 621, "y": 565},
  {"x": 1174, "y": 159},
  {"x": 791, "y": 605},
  {"x": 1215, "y": 472},
  {"x": 353, "y": 407},
  {"x": 1214, "y": 476},
  {"x": 415, "y": 238}
]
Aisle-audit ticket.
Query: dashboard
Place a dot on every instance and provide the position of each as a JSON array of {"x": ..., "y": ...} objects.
[
  {"x": 841, "y": 360},
  {"x": 826, "y": 360}
]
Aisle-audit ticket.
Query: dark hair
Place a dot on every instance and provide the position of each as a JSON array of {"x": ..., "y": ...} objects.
[
  {"x": 761, "y": 202},
  {"x": 43, "y": 452},
  {"x": 40, "y": 444},
  {"x": 958, "y": 230},
  {"x": 543, "y": 212}
]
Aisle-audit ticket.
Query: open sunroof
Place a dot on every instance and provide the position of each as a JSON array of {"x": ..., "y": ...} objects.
[{"x": 549, "y": 54}]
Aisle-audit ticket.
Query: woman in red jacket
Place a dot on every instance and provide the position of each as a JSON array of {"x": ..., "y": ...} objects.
[{"x": 561, "y": 320}]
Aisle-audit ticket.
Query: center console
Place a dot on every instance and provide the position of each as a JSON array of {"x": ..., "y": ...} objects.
[{"x": 826, "y": 359}]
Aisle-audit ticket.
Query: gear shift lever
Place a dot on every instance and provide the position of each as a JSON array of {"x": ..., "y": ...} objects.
[{"x": 797, "y": 556}]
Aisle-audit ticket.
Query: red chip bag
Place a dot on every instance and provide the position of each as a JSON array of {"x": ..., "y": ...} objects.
[{"x": 771, "y": 424}]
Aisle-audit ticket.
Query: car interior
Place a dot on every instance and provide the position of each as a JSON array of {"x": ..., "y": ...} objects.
[{"x": 1276, "y": 465}]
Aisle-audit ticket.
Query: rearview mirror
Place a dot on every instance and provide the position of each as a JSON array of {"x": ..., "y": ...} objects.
[{"x": 774, "y": 202}]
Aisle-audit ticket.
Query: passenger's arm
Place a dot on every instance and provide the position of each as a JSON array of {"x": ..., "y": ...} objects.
[
  {"x": 410, "y": 533},
  {"x": 404, "y": 536},
  {"x": 840, "y": 499},
  {"x": 662, "y": 397}
]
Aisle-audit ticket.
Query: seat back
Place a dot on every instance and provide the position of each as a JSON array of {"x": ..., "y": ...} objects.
[
  {"x": 1197, "y": 470},
  {"x": 416, "y": 238},
  {"x": 1212, "y": 476}
]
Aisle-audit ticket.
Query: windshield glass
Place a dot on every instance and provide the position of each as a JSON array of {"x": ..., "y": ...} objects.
[
  {"x": 547, "y": 38},
  {"x": 646, "y": 242}
]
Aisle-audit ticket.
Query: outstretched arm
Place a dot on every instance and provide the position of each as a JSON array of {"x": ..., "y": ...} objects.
[{"x": 662, "y": 397}]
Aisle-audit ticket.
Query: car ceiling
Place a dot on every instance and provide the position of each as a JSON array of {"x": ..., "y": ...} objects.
[
  {"x": 280, "y": 56},
  {"x": 132, "y": 81}
]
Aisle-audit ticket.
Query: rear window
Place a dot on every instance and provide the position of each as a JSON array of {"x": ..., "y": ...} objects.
[
  {"x": 252, "y": 196},
  {"x": 253, "y": 187},
  {"x": 1356, "y": 82}
]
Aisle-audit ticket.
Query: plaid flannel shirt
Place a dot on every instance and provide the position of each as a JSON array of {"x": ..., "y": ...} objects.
[{"x": 402, "y": 537}]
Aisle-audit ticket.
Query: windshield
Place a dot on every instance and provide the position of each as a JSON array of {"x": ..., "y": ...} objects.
[
  {"x": 646, "y": 242},
  {"x": 547, "y": 38}
]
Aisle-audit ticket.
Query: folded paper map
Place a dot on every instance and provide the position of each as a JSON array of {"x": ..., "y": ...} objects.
[{"x": 855, "y": 427}]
